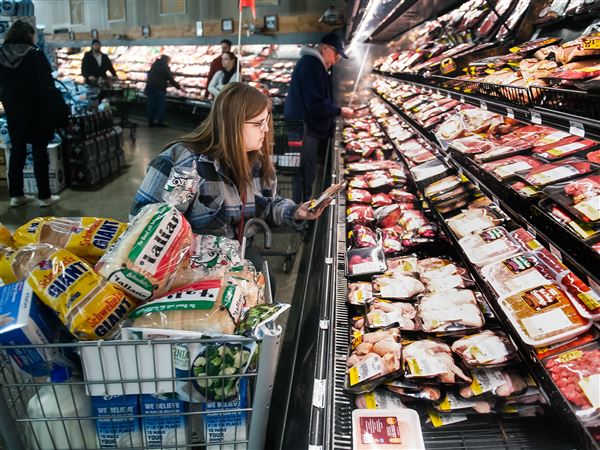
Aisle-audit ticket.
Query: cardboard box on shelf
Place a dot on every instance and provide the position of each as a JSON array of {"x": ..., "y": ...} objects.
[
  {"x": 57, "y": 181},
  {"x": 55, "y": 157}
]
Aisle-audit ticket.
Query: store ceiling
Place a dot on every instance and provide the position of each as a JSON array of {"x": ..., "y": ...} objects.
[{"x": 406, "y": 15}]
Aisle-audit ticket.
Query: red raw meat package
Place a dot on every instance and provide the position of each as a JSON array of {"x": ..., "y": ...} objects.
[
  {"x": 380, "y": 199},
  {"x": 379, "y": 179},
  {"x": 360, "y": 214},
  {"x": 402, "y": 196},
  {"x": 358, "y": 196},
  {"x": 388, "y": 216},
  {"x": 358, "y": 182},
  {"x": 564, "y": 147},
  {"x": 363, "y": 236}
]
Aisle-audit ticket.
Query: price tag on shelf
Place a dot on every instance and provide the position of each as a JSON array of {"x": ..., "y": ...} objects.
[
  {"x": 576, "y": 128},
  {"x": 448, "y": 95},
  {"x": 531, "y": 230},
  {"x": 318, "y": 399},
  {"x": 483, "y": 105},
  {"x": 536, "y": 118},
  {"x": 510, "y": 113},
  {"x": 462, "y": 99},
  {"x": 556, "y": 252},
  {"x": 495, "y": 200}
]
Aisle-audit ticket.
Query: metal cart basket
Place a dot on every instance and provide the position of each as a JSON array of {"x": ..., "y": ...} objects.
[
  {"x": 288, "y": 137},
  {"x": 172, "y": 398}
]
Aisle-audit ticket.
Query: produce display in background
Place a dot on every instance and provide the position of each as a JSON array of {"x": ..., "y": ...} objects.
[
  {"x": 456, "y": 360},
  {"x": 537, "y": 162},
  {"x": 190, "y": 64}
]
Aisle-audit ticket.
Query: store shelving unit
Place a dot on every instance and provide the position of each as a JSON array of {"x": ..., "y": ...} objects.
[
  {"x": 579, "y": 433},
  {"x": 573, "y": 111}
]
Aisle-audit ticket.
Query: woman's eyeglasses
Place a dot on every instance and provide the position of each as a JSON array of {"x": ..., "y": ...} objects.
[
  {"x": 264, "y": 124},
  {"x": 335, "y": 52}
]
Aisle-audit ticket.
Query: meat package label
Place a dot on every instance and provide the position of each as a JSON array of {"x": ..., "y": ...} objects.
[
  {"x": 382, "y": 400},
  {"x": 485, "y": 351},
  {"x": 567, "y": 148},
  {"x": 365, "y": 370},
  {"x": 590, "y": 208},
  {"x": 491, "y": 235},
  {"x": 526, "y": 281},
  {"x": 517, "y": 264},
  {"x": 543, "y": 297},
  {"x": 591, "y": 388},
  {"x": 380, "y": 430},
  {"x": 509, "y": 169},
  {"x": 439, "y": 420},
  {"x": 486, "y": 380},
  {"x": 552, "y": 175},
  {"x": 451, "y": 403},
  {"x": 425, "y": 366},
  {"x": 546, "y": 323}
]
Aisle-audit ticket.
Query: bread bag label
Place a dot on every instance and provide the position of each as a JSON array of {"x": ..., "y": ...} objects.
[{"x": 135, "y": 284}]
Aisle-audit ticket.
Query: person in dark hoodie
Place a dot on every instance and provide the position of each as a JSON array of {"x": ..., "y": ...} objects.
[
  {"x": 159, "y": 76},
  {"x": 25, "y": 74},
  {"x": 310, "y": 98},
  {"x": 95, "y": 64}
]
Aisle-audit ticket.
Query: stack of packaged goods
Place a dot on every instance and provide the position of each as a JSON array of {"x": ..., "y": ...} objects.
[
  {"x": 422, "y": 335},
  {"x": 547, "y": 305},
  {"x": 76, "y": 280}
]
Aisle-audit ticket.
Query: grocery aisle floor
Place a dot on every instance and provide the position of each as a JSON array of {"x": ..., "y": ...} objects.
[{"x": 114, "y": 198}]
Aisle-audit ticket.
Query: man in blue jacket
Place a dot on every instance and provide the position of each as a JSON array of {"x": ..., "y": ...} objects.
[{"x": 310, "y": 98}]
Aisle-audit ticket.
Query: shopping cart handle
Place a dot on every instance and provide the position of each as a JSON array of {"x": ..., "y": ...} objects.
[{"x": 263, "y": 225}]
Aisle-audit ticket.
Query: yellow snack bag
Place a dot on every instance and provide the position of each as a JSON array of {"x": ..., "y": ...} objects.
[
  {"x": 6, "y": 239},
  {"x": 87, "y": 305},
  {"x": 86, "y": 237}
]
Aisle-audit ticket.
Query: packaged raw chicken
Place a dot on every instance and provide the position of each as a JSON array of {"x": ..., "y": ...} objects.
[
  {"x": 445, "y": 278},
  {"x": 453, "y": 403},
  {"x": 576, "y": 373},
  {"x": 500, "y": 382},
  {"x": 387, "y": 314},
  {"x": 581, "y": 197},
  {"x": 358, "y": 196},
  {"x": 582, "y": 47},
  {"x": 566, "y": 147},
  {"x": 488, "y": 246},
  {"x": 375, "y": 359},
  {"x": 487, "y": 348},
  {"x": 506, "y": 168},
  {"x": 360, "y": 215},
  {"x": 517, "y": 273},
  {"x": 398, "y": 286},
  {"x": 454, "y": 310},
  {"x": 429, "y": 359},
  {"x": 144, "y": 262},
  {"x": 413, "y": 391},
  {"x": 472, "y": 221},
  {"x": 378, "y": 399},
  {"x": 556, "y": 172},
  {"x": 544, "y": 315},
  {"x": 86, "y": 237},
  {"x": 386, "y": 429},
  {"x": 360, "y": 292}
]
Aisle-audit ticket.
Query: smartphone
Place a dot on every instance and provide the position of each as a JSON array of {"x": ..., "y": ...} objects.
[{"x": 330, "y": 192}]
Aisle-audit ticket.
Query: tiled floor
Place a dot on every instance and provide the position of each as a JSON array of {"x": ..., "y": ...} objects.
[{"x": 114, "y": 199}]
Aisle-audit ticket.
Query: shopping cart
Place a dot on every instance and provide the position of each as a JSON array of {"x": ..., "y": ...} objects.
[
  {"x": 121, "y": 96},
  {"x": 211, "y": 411},
  {"x": 288, "y": 137}
]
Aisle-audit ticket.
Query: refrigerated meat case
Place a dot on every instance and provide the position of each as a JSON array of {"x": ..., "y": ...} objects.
[{"x": 309, "y": 390}]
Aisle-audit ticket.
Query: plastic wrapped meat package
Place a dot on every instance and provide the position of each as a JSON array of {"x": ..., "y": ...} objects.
[
  {"x": 506, "y": 168},
  {"x": 452, "y": 403},
  {"x": 386, "y": 314},
  {"x": 582, "y": 47},
  {"x": 576, "y": 373},
  {"x": 517, "y": 273},
  {"x": 432, "y": 360},
  {"x": 440, "y": 275},
  {"x": 379, "y": 179},
  {"x": 444, "y": 185},
  {"x": 484, "y": 349},
  {"x": 500, "y": 382},
  {"x": 360, "y": 215},
  {"x": 362, "y": 237},
  {"x": 386, "y": 429},
  {"x": 388, "y": 216},
  {"x": 429, "y": 171},
  {"x": 358, "y": 196},
  {"x": 585, "y": 299},
  {"x": 556, "y": 172},
  {"x": 380, "y": 199},
  {"x": 392, "y": 240},
  {"x": 571, "y": 222},
  {"x": 525, "y": 190},
  {"x": 472, "y": 145},
  {"x": 488, "y": 246},
  {"x": 358, "y": 182},
  {"x": 378, "y": 399},
  {"x": 472, "y": 221},
  {"x": 375, "y": 358},
  {"x": 413, "y": 391},
  {"x": 506, "y": 147},
  {"x": 397, "y": 285},
  {"x": 544, "y": 315},
  {"x": 581, "y": 197},
  {"x": 565, "y": 147},
  {"x": 454, "y": 310},
  {"x": 360, "y": 292},
  {"x": 365, "y": 261}
]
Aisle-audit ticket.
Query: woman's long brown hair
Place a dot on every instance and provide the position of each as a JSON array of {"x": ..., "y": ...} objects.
[{"x": 220, "y": 135}]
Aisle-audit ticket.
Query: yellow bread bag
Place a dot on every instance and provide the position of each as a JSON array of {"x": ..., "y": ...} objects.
[
  {"x": 86, "y": 304},
  {"x": 6, "y": 239},
  {"x": 146, "y": 258},
  {"x": 15, "y": 265},
  {"x": 87, "y": 237}
]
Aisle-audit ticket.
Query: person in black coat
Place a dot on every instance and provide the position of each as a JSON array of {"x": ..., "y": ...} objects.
[
  {"x": 310, "y": 98},
  {"x": 159, "y": 76},
  {"x": 95, "y": 64},
  {"x": 25, "y": 77}
]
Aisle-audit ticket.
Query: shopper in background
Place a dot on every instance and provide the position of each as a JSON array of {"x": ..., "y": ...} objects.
[
  {"x": 310, "y": 98},
  {"x": 25, "y": 79},
  {"x": 227, "y": 74},
  {"x": 231, "y": 150},
  {"x": 216, "y": 65},
  {"x": 95, "y": 64},
  {"x": 159, "y": 76}
]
